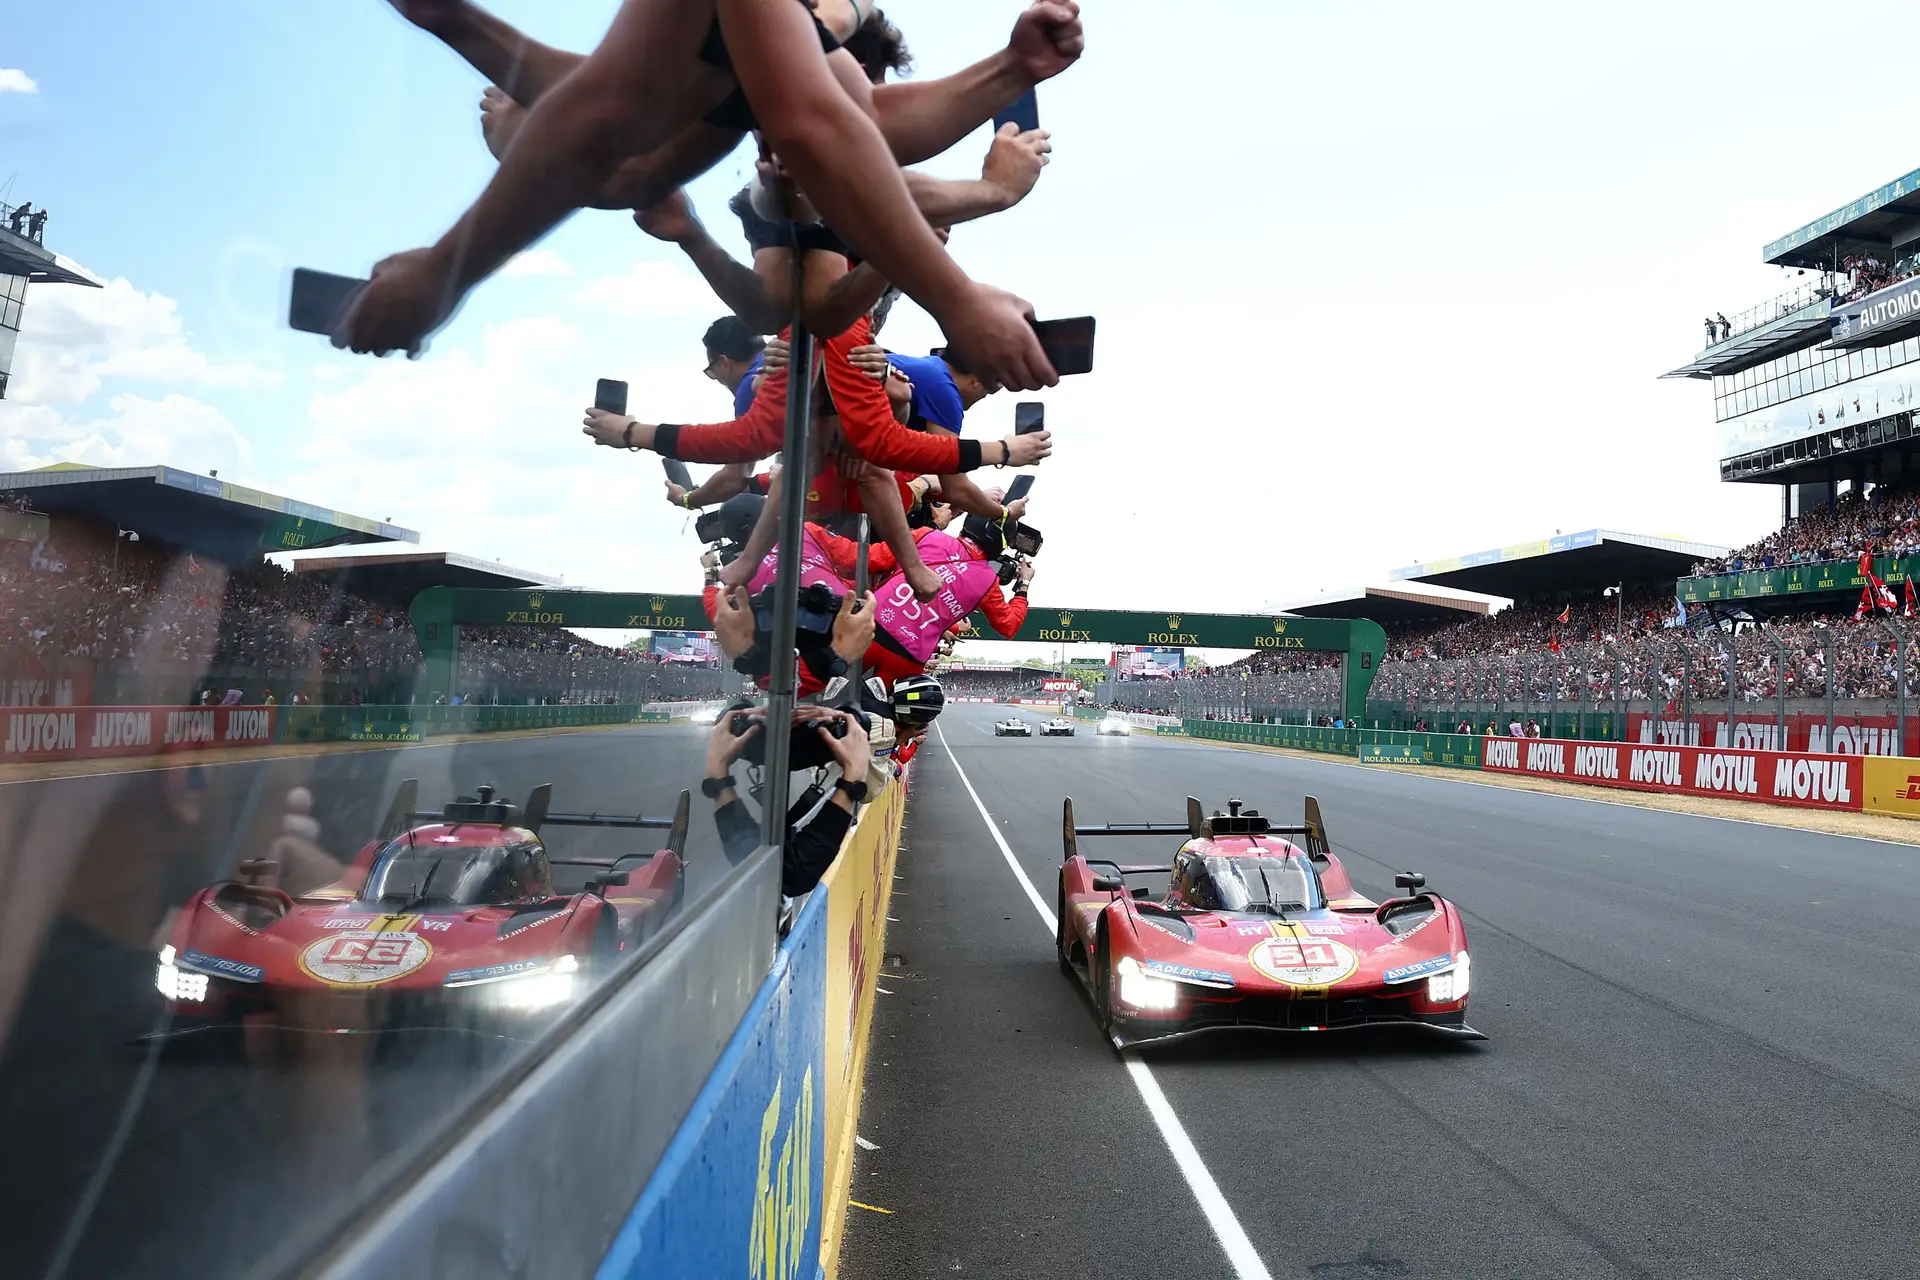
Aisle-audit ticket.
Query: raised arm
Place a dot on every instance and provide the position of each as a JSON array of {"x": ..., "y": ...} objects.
[
  {"x": 922, "y": 118},
  {"x": 841, "y": 161}
]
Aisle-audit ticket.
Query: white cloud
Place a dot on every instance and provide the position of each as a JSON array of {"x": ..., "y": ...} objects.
[
  {"x": 13, "y": 80},
  {"x": 651, "y": 289},
  {"x": 72, "y": 339},
  {"x": 176, "y": 430},
  {"x": 537, "y": 262}
]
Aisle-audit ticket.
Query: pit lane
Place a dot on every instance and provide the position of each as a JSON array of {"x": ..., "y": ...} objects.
[
  {"x": 1703, "y": 1057},
  {"x": 191, "y": 1162}
]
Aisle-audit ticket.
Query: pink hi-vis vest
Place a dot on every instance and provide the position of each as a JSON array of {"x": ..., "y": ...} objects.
[
  {"x": 916, "y": 628},
  {"x": 814, "y": 567}
]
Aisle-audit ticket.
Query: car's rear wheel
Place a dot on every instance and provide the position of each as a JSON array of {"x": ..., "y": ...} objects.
[{"x": 1062, "y": 939}]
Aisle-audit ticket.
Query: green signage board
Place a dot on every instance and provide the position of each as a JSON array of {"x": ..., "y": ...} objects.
[
  {"x": 1837, "y": 576},
  {"x": 300, "y": 533},
  {"x": 616, "y": 610},
  {"x": 1210, "y": 630},
  {"x": 1372, "y": 753}
]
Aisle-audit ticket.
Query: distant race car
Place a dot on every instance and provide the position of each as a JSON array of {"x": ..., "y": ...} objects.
[
  {"x": 1113, "y": 725},
  {"x": 1008, "y": 728},
  {"x": 1254, "y": 931},
  {"x": 1057, "y": 728},
  {"x": 454, "y": 921}
]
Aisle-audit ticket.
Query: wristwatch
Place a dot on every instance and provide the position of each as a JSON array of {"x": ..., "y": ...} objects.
[
  {"x": 856, "y": 791},
  {"x": 712, "y": 787}
]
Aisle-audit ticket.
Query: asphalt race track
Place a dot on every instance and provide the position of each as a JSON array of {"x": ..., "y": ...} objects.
[
  {"x": 191, "y": 1161},
  {"x": 1705, "y": 1053}
]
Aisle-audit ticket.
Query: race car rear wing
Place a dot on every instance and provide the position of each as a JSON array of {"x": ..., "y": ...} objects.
[
  {"x": 403, "y": 810},
  {"x": 1313, "y": 831}
]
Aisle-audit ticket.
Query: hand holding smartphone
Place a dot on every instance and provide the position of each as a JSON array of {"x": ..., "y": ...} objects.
[
  {"x": 677, "y": 472},
  {"x": 318, "y": 299},
  {"x": 1029, "y": 416},
  {"x": 1020, "y": 488},
  {"x": 1068, "y": 343},
  {"x": 610, "y": 396},
  {"x": 1023, "y": 111}
]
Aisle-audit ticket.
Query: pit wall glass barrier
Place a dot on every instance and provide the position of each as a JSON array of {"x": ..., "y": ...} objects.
[{"x": 1456, "y": 750}]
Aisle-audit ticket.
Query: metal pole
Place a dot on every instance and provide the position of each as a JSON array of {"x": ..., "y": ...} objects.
[
  {"x": 1733, "y": 682},
  {"x": 1900, "y": 662},
  {"x": 1619, "y": 716},
  {"x": 786, "y": 584},
  {"x": 1830, "y": 660},
  {"x": 1780, "y": 686}
]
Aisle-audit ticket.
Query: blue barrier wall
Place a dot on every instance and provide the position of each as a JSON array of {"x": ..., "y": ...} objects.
[{"x": 738, "y": 1192}]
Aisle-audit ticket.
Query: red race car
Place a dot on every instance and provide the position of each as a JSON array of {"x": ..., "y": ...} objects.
[
  {"x": 1255, "y": 931},
  {"x": 456, "y": 921}
]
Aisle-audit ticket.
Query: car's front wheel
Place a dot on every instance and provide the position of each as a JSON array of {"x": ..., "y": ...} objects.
[{"x": 1103, "y": 979}]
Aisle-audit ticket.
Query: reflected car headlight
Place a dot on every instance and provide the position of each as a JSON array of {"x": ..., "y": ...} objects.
[
  {"x": 1445, "y": 988},
  {"x": 709, "y": 716},
  {"x": 180, "y": 985},
  {"x": 526, "y": 992},
  {"x": 1142, "y": 990}
]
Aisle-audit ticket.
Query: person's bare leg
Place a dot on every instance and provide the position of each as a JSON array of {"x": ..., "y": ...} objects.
[
  {"x": 498, "y": 50},
  {"x": 640, "y": 87},
  {"x": 880, "y": 495}
]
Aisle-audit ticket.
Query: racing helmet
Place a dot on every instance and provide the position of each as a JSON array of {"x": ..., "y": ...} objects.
[{"x": 917, "y": 699}]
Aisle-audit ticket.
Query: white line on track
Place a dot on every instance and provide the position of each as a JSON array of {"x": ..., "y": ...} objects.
[{"x": 1226, "y": 1226}]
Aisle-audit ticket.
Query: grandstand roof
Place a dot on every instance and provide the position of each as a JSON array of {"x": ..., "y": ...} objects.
[
  {"x": 20, "y": 256},
  {"x": 1390, "y": 608},
  {"x": 1575, "y": 562},
  {"x": 1878, "y": 220},
  {"x": 226, "y": 522},
  {"x": 399, "y": 576}
]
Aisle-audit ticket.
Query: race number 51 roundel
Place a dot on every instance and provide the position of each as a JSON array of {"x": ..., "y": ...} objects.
[
  {"x": 363, "y": 958},
  {"x": 1303, "y": 962}
]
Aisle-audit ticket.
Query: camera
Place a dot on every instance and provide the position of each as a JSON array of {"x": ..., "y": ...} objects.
[
  {"x": 804, "y": 748},
  {"x": 728, "y": 526},
  {"x": 1024, "y": 539},
  {"x": 812, "y": 632}
]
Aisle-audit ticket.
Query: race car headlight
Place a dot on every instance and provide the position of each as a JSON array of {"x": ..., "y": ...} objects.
[
  {"x": 550, "y": 986},
  {"x": 1445, "y": 988},
  {"x": 177, "y": 984},
  {"x": 1142, "y": 990}
]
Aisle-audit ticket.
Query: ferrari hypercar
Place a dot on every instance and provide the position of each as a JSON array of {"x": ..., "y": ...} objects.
[
  {"x": 452, "y": 919},
  {"x": 1114, "y": 725},
  {"x": 1254, "y": 930},
  {"x": 1008, "y": 728},
  {"x": 1057, "y": 728}
]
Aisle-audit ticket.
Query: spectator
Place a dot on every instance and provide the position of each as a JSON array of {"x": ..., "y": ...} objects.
[
  {"x": 813, "y": 842},
  {"x": 21, "y": 212}
]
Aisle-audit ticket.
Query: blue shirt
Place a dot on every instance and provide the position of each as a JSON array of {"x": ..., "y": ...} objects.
[
  {"x": 743, "y": 394},
  {"x": 935, "y": 397}
]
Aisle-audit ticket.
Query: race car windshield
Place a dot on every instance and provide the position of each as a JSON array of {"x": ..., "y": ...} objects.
[
  {"x": 1257, "y": 884},
  {"x": 469, "y": 877}
]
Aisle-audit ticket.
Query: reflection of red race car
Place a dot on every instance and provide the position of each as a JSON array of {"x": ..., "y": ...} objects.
[
  {"x": 455, "y": 920},
  {"x": 1255, "y": 931}
]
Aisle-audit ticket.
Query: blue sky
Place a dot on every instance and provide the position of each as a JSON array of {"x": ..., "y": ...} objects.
[{"x": 1375, "y": 285}]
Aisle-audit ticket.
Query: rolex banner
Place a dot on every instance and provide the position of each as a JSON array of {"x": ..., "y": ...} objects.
[{"x": 1838, "y": 576}]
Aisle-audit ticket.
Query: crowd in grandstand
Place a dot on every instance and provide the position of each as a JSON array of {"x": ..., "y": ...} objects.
[
  {"x": 73, "y": 598},
  {"x": 1884, "y": 522}
]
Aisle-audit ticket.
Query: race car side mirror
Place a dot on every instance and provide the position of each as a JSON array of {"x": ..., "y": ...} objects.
[
  {"x": 1110, "y": 884},
  {"x": 600, "y": 884},
  {"x": 1411, "y": 881}
]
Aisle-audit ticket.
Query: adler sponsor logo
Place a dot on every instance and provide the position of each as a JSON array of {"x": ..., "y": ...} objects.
[
  {"x": 1596, "y": 762},
  {"x": 40, "y": 731},
  {"x": 250, "y": 725},
  {"x": 1660, "y": 768},
  {"x": 1546, "y": 757},
  {"x": 1715, "y": 772},
  {"x": 189, "y": 726},
  {"x": 1502, "y": 753},
  {"x": 122, "y": 729},
  {"x": 1812, "y": 780}
]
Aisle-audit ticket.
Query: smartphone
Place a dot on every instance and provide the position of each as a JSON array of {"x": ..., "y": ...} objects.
[
  {"x": 318, "y": 299},
  {"x": 1023, "y": 111},
  {"x": 1068, "y": 343},
  {"x": 677, "y": 472},
  {"x": 610, "y": 396},
  {"x": 1029, "y": 416},
  {"x": 1021, "y": 486}
]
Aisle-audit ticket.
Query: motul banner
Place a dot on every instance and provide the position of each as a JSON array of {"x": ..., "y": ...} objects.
[
  {"x": 74, "y": 733},
  {"x": 1768, "y": 777},
  {"x": 1853, "y": 735}
]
